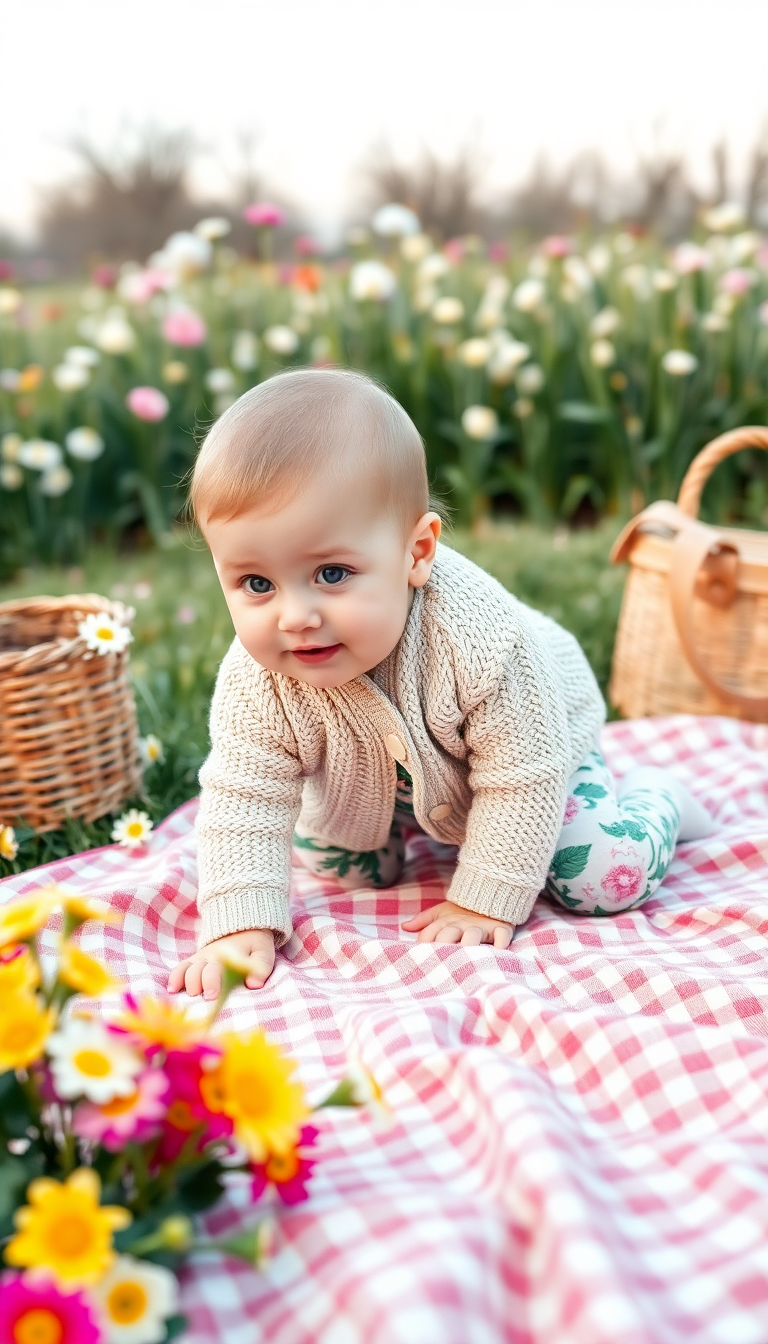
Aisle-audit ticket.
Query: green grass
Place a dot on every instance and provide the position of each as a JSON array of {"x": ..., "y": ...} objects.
[{"x": 174, "y": 662}]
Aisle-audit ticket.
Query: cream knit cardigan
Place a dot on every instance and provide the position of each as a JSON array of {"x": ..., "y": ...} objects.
[{"x": 488, "y": 704}]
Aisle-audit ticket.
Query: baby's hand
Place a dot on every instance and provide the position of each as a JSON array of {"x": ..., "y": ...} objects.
[
  {"x": 202, "y": 972},
  {"x": 449, "y": 923}
]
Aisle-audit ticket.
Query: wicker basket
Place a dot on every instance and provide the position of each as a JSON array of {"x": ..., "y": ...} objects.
[
  {"x": 693, "y": 631},
  {"x": 68, "y": 733}
]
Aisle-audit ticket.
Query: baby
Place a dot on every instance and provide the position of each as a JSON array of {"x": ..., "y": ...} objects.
[{"x": 378, "y": 677}]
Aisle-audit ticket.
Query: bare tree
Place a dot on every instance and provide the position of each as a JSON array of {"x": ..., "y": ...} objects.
[{"x": 445, "y": 194}]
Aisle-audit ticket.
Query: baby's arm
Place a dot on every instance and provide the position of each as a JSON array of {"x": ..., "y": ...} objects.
[{"x": 201, "y": 973}]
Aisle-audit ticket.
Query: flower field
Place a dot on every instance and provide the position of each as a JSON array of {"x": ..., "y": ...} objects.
[{"x": 546, "y": 381}]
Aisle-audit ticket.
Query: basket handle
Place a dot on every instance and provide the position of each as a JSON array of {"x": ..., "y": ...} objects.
[{"x": 702, "y": 466}]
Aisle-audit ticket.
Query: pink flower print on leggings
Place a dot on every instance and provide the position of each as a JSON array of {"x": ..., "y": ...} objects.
[
  {"x": 571, "y": 810},
  {"x": 623, "y": 882}
]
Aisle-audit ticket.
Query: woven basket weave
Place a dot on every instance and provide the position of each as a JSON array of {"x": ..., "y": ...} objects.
[
  {"x": 68, "y": 732},
  {"x": 693, "y": 630}
]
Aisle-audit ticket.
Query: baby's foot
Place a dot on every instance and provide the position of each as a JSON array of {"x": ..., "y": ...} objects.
[{"x": 695, "y": 821}]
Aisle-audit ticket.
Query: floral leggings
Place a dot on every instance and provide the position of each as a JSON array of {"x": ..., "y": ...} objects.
[{"x": 611, "y": 854}]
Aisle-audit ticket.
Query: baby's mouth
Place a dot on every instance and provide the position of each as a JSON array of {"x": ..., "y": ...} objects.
[{"x": 317, "y": 653}]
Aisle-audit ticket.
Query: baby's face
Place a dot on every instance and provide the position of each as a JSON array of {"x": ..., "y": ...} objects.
[{"x": 320, "y": 588}]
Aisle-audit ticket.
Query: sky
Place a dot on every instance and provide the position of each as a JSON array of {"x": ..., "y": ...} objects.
[{"x": 318, "y": 83}]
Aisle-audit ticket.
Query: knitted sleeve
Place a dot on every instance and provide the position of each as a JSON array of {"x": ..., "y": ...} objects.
[
  {"x": 519, "y": 751},
  {"x": 250, "y": 799}
]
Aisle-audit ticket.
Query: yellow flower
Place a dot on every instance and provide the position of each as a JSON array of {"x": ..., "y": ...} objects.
[
  {"x": 18, "y": 971},
  {"x": 83, "y": 973},
  {"x": 82, "y": 908},
  {"x": 30, "y": 378},
  {"x": 25, "y": 1025},
  {"x": 23, "y": 918},
  {"x": 65, "y": 1231},
  {"x": 9, "y": 845},
  {"x": 253, "y": 1086},
  {"x": 159, "y": 1023}
]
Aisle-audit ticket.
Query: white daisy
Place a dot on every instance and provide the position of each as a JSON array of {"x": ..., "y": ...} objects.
[
  {"x": 40, "y": 455},
  {"x": 86, "y": 1061},
  {"x": 365, "y": 1091},
  {"x": 480, "y": 422},
  {"x": 104, "y": 633},
  {"x": 132, "y": 829},
  {"x": 84, "y": 443},
  {"x": 150, "y": 749},
  {"x": 134, "y": 1299}
]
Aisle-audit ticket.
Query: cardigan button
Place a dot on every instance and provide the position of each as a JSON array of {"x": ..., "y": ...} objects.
[
  {"x": 395, "y": 747},
  {"x": 440, "y": 812}
]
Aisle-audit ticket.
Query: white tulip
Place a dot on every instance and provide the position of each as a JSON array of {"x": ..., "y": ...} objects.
[
  {"x": 575, "y": 270},
  {"x": 529, "y": 295},
  {"x": 40, "y": 455},
  {"x": 605, "y": 322},
  {"x": 603, "y": 354},
  {"x": 448, "y": 310},
  {"x": 724, "y": 218},
  {"x": 212, "y": 229},
  {"x": 56, "y": 482},
  {"x": 395, "y": 221},
  {"x": 184, "y": 255},
  {"x": 480, "y": 422},
  {"x": 715, "y": 323},
  {"x": 688, "y": 258},
  {"x": 415, "y": 247},
  {"x": 599, "y": 260},
  {"x": 220, "y": 380},
  {"x": 371, "y": 280},
  {"x": 9, "y": 447},
  {"x": 245, "y": 351},
  {"x": 84, "y": 444},
  {"x": 530, "y": 379},
  {"x": 70, "y": 377},
  {"x": 84, "y": 356},
  {"x": 475, "y": 353},
  {"x": 9, "y": 380},
  {"x": 10, "y": 301},
  {"x": 506, "y": 359},
  {"x": 664, "y": 281},
  {"x": 434, "y": 267},
  {"x": 281, "y": 340},
  {"x": 115, "y": 336},
  {"x": 11, "y": 476},
  {"x": 497, "y": 289},
  {"x": 743, "y": 247},
  {"x": 679, "y": 363}
]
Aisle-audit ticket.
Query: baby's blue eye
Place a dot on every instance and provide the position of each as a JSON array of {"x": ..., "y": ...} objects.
[
  {"x": 332, "y": 574},
  {"x": 256, "y": 585}
]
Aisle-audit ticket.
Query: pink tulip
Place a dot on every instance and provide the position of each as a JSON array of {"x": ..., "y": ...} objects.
[
  {"x": 305, "y": 246},
  {"x": 285, "y": 274},
  {"x": 105, "y": 276},
  {"x": 736, "y": 281},
  {"x": 557, "y": 246},
  {"x": 147, "y": 403},
  {"x": 689, "y": 258},
  {"x": 498, "y": 252},
  {"x": 454, "y": 249},
  {"x": 6, "y": 270},
  {"x": 183, "y": 327},
  {"x": 263, "y": 214},
  {"x": 141, "y": 286}
]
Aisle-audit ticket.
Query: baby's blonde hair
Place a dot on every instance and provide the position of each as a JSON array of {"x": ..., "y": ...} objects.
[{"x": 267, "y": 445}]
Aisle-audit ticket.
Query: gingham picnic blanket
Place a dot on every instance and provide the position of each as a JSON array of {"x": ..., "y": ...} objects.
[{"x": 580, "y": 1147}]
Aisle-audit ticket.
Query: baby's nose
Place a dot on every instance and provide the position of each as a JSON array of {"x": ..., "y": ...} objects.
[{"x": 297, "y": 612}]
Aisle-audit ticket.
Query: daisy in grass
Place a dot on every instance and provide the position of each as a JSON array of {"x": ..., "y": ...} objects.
[
  {"x": 65, "y": 1231},
  {"x": 134, "y": 1299},
  {"x": 132, "y": 829},
  {"x": 89, "y": 1061},
  {"x": 252, "y": 1085},
  {"x": 9, "y": 847},
  {"x": 150, "y": 749},
  {"x": 82, "y": 973},
  {"x": 18, "y": 970},
  {"x": 157, "y": 1025},
  {"x": 286, "y": 1173},
  {"x": 25, "y": 1029},
  {"x": 21, "y": 919},
  {"x": 36, "y": 1311},
  {"x": 104, "y": 633},
  {"x": 130, "y": 1119}
]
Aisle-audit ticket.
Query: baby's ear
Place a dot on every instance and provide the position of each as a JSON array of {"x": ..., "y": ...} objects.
[{"x": 423, "y": 546}]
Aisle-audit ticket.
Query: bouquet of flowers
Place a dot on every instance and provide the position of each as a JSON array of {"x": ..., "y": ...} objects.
[{"x": 115, "y": 1134}]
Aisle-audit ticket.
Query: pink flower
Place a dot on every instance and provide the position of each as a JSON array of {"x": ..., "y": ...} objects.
[
  {"x": 557, "y": 246},
  {"x": 184, "y": 327},
  {"x": 129, "y": 1119},
  {"x": 305, "y": 246},
  {"x": 263, "y": 214},
  {"x": 186, "y": 615},
  {"x": 736, "y": 281},
  {"x": 147, "y": 403},
  {"x": 285, "y": 274},
  {"x": 571, "y": 809},
  {"x": 624, "y": 881},
  {"x": 105, "y": 276},
  {"x": 28, "y": 1303},
  {"x": 188, "y": 1109},
  {"x": 141, "y": 286},
  {"x": 6, "y": 270},
  {"x": 289, "y": 1173},
  {"x": 498, "y": 252},
  {"x": 689, "y": 258},
  {"x": 454, "y": 249}
]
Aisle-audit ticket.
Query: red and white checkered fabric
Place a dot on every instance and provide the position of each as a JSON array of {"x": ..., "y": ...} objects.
[{"x": 580, "y": 1153}]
